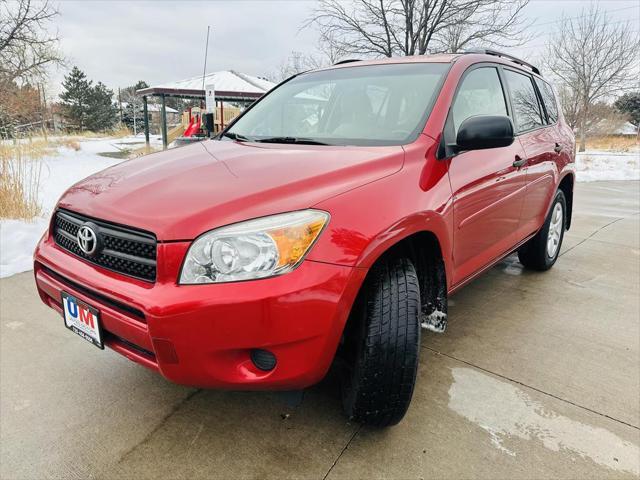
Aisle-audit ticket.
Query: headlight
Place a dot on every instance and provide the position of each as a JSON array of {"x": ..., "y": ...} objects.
[{"x": 258, "y": 248}]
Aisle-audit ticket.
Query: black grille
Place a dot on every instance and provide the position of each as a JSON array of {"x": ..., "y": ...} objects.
[
  {"x": 124, "y": 250},
  {"x": 122, "y": 307}
]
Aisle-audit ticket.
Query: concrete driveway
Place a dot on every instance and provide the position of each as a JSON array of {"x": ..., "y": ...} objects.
[{"x": 538, "y": 376}]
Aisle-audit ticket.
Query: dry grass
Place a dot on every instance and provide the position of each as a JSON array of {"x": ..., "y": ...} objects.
[
  {"x": 21, "y": 168},
  {"x": 69, "y": 142},
  {"x": 20, "y": 171},
  {"x": 613, "y": 143},
  {"x": 118, "y": 132}
]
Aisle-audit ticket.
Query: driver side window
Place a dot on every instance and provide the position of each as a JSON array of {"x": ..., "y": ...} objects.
[{"x": 479, "y": 94}]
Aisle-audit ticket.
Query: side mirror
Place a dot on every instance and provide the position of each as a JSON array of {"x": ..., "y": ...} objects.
[{"x": 485, "y": 131}]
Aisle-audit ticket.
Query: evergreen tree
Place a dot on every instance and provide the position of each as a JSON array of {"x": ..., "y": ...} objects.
[
  {"x": 76, "y": 98},
  {"x": 103, "y": 113},
  {"x": 87, "y": 106},
  {"x": 629, "y": 104}
]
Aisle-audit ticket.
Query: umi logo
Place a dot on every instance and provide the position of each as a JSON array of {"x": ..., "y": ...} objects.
[{"x": 76, "y": 311}]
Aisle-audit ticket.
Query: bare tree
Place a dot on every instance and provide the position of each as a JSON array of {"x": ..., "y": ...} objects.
[
  {"x": 25, "y": 51},
  {"x": 593, "y": 59},
  {"x": 416, "y": 27},
  {"x": 26, "y": 47},
  {"x": 497, "y": 24},
  {"x": 329, "y": 50},
  {"x": 570, "y": 104},
  {"x": 297, "y": 62}
]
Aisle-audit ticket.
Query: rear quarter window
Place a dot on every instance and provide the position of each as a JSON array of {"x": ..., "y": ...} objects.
[{"x": 549, "y": 99}]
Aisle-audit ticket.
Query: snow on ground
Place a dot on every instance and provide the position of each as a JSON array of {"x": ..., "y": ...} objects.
[
  {"x": 18, "y": 238},
  {"x": 597, "y": 165}
]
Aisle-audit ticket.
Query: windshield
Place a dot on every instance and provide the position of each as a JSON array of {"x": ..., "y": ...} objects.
[{"x": 361, "y": 105}]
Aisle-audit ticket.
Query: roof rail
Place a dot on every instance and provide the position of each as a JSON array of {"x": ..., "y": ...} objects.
[
  {"x": 348, "y": 60},
  {"x": 488, "y": 51}
]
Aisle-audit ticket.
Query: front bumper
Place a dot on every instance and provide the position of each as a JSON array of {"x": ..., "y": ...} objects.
[{"x": 202, "y": 335}]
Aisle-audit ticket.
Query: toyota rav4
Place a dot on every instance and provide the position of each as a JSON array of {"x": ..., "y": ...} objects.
[{"x": 325, "y": 226}]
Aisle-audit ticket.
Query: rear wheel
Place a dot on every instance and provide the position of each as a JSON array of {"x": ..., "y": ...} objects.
[
  {"x": 383, "y": 345},
  {"x": 541, "y": 252}
]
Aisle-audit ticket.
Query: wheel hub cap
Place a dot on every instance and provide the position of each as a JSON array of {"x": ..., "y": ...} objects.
[{"x": 555, "y": 231}]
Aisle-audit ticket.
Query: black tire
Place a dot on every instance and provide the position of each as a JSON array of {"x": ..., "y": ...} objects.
[
  {"x": 534, "y": 254},
  {"x": 384, "y": 344}
]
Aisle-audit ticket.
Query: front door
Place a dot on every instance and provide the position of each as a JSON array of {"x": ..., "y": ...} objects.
[{"x": 488, "y": 185}]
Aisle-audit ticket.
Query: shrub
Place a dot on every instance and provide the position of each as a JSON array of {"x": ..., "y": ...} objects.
[{"x": 20, "y": 171}]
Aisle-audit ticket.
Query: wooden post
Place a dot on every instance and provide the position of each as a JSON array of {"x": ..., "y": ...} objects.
[
  {"x": 221, "y": 115},
  {"x": 146, "y": 120},
  {"x": 164, "y": 123}
]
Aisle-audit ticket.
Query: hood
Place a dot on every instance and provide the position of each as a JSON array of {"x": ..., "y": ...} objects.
[{"x": 179, "y": 194}]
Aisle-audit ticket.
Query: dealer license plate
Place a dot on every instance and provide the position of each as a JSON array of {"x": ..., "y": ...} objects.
[{"x": 82, "y": 319}]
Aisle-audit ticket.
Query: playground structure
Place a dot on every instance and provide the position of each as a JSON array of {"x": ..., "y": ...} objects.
[
  {"x": 195, "y": 122},
  {"x": 193, "y": 126},
  {"x": 233, "y": 92}
]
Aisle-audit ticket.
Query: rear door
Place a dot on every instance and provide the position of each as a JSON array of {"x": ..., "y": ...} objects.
[
  {"x": 540, "y": 190},
  {"x": 537, "y": 137},
  {"x": 488, "y": 189}
]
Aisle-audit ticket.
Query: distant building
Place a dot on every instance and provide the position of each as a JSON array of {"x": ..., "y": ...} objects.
[
  {"x": 614, "y": 126},
  {"x": 154, "y": 109},
  {"x": 626, "y": 129}
]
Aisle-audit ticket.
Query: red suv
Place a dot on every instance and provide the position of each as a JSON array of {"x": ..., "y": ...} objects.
[{"x": 325, "y": 226}]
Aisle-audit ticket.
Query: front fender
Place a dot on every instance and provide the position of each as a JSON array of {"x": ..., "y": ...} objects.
[{"x": 367, "y": 221}]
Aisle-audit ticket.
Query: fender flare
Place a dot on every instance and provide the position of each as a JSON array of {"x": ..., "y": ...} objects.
[{"x": 430, "y": 222}]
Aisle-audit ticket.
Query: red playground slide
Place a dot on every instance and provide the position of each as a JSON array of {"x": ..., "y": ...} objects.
[{"x": 194, "y": 126}]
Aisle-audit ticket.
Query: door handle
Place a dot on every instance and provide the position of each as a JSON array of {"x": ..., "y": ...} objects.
[
  {"x": 557, "y": 148},
  {"x": 519, "y": 161}
]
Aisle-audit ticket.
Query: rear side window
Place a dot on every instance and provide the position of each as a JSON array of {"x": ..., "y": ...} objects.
[
  {"x": 549, "y": 99},
  {"x": 526, "y": 107},
  {"x": 479, "y": 94}
]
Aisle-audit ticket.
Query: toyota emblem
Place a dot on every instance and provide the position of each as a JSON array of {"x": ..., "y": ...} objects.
[{"x": 87, "y": 240}]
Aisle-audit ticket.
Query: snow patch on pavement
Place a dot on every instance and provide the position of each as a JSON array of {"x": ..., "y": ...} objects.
[
  {"x": 512, "y": 266},
  {"x": 505, "y": 411},
  {"x": 594, "y": 166},
  {"x": 14, "y": 325},
  {"x": 18, "y": 240}
]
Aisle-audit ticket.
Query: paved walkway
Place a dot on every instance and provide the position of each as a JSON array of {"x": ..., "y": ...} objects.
[{"x": 537, "y": 377}]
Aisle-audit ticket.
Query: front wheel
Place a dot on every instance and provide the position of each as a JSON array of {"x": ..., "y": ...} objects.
[
  {"x": 383, "y": 344},
  {"x": 541, "y": 252}
]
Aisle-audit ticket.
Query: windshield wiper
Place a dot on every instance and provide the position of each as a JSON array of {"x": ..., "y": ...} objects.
[
  {"x": 236, "y": 136},
  {"x": 296, "y": 140}
]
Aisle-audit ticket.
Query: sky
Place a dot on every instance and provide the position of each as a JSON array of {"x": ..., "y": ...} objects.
[{"x": 121, "y": 42}]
